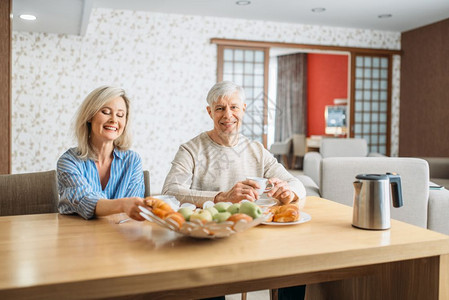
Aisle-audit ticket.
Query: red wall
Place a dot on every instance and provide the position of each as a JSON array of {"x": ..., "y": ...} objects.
[{"x": 327, "y": 79}]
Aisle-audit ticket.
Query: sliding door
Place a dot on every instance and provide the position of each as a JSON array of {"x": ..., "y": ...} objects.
[{"x": 371, "y": 100}]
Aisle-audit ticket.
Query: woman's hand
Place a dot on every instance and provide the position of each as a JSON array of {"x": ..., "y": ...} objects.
[
  {"x": 130, "y": 206},
  {"x": 281, "y": 191},
  {"x": 243, "y": 190}
]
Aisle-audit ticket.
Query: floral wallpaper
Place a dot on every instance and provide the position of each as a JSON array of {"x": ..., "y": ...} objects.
[{"x": 165, "y": 62}]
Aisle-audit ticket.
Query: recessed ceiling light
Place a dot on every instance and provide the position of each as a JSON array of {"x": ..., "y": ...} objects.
[
  {"x": 28, "y": 17},
  {"x": 243, "y": 2},
  {"x": 384, "y": 16},
  {"x": 318, "y": 9}
]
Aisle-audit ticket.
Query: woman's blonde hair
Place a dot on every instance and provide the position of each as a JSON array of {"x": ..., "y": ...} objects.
[{"x": 90, "y": 106}]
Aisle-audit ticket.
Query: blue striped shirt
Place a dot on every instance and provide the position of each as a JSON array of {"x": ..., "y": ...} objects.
[{"x": 80, "y": 187}]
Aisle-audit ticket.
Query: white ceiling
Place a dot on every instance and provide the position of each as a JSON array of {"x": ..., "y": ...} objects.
[{"x": 71, "y": 16}]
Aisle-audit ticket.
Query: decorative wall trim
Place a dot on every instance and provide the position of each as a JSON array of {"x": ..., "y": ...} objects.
[{"x": 247, "y": 43}]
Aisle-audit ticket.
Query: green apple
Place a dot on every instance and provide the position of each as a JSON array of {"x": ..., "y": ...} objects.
[
  {"x": 234, "y": 208},
  {"x": 186, "y": 212},
  {"x": 221, "y": 216},
  {"x": 222, "y": 206},
  {"x": 213, "y": 211},
  {"x": 251, "y": 209},
  {"x": 201, "y": 215}
]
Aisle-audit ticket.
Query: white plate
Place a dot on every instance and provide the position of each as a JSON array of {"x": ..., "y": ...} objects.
[
  {"x": 304, "y": 217},
  {"x": 266, "y": 202}
]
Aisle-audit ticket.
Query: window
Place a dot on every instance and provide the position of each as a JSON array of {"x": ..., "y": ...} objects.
[
  {"x": 371, "y": 101},
  {"x": 247, "y": 67}
]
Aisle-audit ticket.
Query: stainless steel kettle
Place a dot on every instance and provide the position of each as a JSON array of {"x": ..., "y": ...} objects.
[{"x": 371, "y": 209}]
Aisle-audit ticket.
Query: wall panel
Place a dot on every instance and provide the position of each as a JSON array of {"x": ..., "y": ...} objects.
[
  {"x": 424, "y": 107},
  {"x": 327, "y": 80}
]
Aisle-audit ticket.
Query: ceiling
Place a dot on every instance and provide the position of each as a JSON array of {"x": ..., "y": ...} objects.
[{"x": 72, "y": 16}]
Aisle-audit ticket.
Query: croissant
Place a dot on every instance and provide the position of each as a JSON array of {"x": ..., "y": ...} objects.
[
  {"x": 164, "y": 211},
  {"x": 157, "y": 203},
  {"x": 239, "y": 217},
  {"x": 161, "y": 213},
  {"x": 175, "y": 217},
  {"x": 285, "y": 213}
]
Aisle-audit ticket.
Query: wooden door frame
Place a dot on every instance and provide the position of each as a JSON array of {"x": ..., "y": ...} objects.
[{"x": 5, "y": 84}]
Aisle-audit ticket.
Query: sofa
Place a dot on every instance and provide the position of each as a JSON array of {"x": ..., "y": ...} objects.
[
  {"x": 422, "y": 207},
  {"x": 439, "y": 170},
  {"x": 335, "y": 147}
]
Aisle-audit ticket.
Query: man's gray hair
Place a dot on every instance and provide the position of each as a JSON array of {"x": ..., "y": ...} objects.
[{"x": 224, "y": 89}]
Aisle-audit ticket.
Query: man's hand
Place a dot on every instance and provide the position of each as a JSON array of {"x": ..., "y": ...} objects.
[
  {"x": 243, "y": 190},
  {"x": 281, "y": 191}
]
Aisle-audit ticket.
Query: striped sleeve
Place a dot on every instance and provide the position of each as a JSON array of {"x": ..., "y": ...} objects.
[
  {"x": 76, "y": 194},
  {"x": 136, "y": 185}
]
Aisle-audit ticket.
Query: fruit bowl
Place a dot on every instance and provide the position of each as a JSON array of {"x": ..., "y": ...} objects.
[{"x": 198, "y": 229}]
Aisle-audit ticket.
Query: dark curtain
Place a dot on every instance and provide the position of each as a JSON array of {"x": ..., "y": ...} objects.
[{"x": 291, "y": 97}]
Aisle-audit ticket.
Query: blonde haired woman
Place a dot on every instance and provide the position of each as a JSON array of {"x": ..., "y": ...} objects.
[{"x": 101, "y": 176}]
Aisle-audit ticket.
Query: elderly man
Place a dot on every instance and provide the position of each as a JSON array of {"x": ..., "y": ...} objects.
[{"x": 215, "y": 164}]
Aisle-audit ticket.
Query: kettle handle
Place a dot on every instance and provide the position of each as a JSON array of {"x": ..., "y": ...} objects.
[{"x": 396, "y": 189}]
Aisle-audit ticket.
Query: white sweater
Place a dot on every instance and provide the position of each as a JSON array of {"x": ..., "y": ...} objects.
[{"x": 202, "y": 168}]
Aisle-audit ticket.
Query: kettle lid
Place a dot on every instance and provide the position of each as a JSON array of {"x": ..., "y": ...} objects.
[{"x": 372, "y": 177}]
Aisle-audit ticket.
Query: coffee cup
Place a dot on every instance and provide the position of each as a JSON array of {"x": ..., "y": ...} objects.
[{"x": 262, "y": 182}]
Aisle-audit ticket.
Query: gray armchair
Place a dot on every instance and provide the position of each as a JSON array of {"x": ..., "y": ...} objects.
[
  {"x": 283, "y": 149},
  {"x": 146, "y": 179},
  {"x": 28, "y": 193},
  {"x": 299, "y": 148},
  {"x": 439, "y": 170},
  {"x": 335, "y": 147}
]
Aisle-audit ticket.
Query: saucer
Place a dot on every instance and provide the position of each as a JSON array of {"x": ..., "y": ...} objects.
[{"x": 266, "y": 202}]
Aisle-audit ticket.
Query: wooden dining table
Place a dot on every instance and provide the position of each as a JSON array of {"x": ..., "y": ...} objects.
[{"x": 53, "y": 256}]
